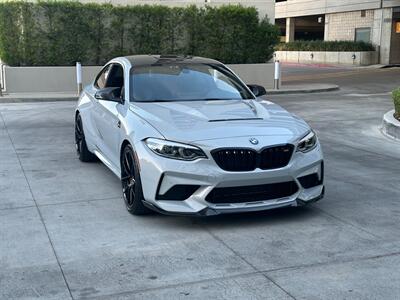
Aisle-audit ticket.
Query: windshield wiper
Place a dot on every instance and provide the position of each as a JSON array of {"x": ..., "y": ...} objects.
[
  {"x": 215, "y": 99},
  {"x": 153, "y": 100}
]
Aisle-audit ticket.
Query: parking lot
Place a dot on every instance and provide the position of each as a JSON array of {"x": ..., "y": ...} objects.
[{"x": 65, "y": 233}]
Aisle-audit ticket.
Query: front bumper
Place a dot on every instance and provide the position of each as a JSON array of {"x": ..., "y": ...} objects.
[{"x": 160, "y": 174}]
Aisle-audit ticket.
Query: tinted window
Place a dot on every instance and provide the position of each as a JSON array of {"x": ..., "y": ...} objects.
[
  {"x": 102, "y": 77},
  {"x": 363, "y": 35},
  {"x": 115, "y": 76},
  {"x": 184, "y": 82}
]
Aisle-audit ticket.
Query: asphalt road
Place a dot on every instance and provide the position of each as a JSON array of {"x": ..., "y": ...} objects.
[{"x": 64, "y": 231}]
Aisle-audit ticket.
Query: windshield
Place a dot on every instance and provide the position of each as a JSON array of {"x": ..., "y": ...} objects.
[{"x": 185, "y": 82}]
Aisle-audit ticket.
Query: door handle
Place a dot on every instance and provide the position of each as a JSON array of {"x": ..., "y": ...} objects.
[{"x": 119, "y": 124}]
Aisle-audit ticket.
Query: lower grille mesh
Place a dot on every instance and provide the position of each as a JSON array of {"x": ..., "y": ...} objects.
[{"x": 252, "y": 193}]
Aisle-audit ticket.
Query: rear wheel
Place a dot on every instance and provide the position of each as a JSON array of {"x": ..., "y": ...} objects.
[
  {"x": 131, "y": 183},
  {"x": 81, "y": 148}
]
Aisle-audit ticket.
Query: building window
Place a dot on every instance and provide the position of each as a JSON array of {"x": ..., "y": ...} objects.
[
  {"x": 363, "y": 13},
  {"x": 363, "y": 35}
]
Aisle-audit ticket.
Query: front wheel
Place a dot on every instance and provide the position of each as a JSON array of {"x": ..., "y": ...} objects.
[
  {"x": 131, "y": 183},
  {"x": 81, "y": 148}
]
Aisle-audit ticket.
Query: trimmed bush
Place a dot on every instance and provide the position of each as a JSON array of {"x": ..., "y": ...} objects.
[
  {"x": 396, "y": 99},
  {"x": 59, "y": 33},
  {"x": 336, "y": 46}
]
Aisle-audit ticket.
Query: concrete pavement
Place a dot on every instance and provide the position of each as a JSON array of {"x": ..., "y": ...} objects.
[{"x": 65, "y": 233}]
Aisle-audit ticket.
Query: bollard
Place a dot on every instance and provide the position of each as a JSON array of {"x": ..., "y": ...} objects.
[
  {"x": 79, "y": 77},
  {"x": 277, "y": 77},
  {"x": 1, "y": 79}
]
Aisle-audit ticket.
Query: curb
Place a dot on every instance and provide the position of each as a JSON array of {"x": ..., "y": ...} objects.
[
  {"x": 303, "y": 91},
  {"x": 24, "y": 100},
  {"x": 390, "y": 126}
]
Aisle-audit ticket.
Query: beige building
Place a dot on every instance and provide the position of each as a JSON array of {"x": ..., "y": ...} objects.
[
  {"x": 375, "y": 21},
  {"x": 265, "y": 7}
]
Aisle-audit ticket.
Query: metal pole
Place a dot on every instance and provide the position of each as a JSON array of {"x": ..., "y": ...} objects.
[
  {"x": 79, "y": 77},
  {"x": 1, "y": 79},
  {"x": 277, "y": 75}
]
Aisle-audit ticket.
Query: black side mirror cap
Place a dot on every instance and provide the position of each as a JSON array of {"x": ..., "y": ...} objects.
[
  {"x": 257, "y": 90},
  {"x": 109, "y": 94}
]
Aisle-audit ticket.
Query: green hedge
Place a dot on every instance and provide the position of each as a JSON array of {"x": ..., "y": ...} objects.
[
  {"x": 63, "y": 32},
  {"x": 396, "y": 99},
  {"x": 345, "y": 46}
]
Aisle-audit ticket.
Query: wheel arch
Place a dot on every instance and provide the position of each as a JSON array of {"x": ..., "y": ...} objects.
[{"x": 124, "y": 143}]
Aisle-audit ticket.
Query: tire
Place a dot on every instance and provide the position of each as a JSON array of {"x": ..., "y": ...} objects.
[
  {"x": 131, "y": 184},
  {"x": 80, "y": 142}
]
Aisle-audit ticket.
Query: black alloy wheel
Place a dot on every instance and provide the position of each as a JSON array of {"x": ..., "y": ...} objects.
[
  {"x": 131, "y": 184},
  {"x": 80, "y": 143}
]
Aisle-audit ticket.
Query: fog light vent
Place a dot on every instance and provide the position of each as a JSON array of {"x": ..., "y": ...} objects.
[{"x": 178, "y": 193}]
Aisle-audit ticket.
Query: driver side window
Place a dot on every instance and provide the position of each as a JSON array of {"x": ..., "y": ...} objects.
[
  {"x": 102, "y": 77},
  {"x": 112, "y": 76},
  {"x": 115, "y": 77}
]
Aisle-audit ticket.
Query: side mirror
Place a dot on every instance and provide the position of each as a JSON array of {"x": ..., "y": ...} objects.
[
  {"x": 257, "y": 90},
  {"x": 109, "y": 94}
]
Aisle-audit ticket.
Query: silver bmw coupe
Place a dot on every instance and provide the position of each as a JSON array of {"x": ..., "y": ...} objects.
[{"x": 186, "y": 136}]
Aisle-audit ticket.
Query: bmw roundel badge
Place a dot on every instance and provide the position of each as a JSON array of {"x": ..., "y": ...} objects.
[{"x": 254, "y": 141}]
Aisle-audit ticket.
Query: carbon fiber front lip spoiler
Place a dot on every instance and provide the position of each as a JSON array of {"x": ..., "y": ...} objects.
[
  {"x": 320, "y": 197},
  {"x": 207, "y": 212}
]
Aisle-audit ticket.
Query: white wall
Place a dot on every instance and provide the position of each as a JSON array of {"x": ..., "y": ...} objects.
[
  {"x": 63, "y": 79},
  {"x": 45, "y": 79},
  {"x": 342, "y": 26},
  {"x": 295, "y": 8},
  {"x": 365, "y": 58}
]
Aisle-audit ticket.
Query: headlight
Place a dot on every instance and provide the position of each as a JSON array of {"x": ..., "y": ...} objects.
[
  {"x": 174, "y": 150},
  {"x": 307, "y": 143}
]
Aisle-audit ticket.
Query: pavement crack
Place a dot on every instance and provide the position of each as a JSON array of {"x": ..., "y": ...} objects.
[
  {"x": 247, "y": 262},
  {"x": 346, "y": 222},
  {"x": 63, "y": 203},
  {"x": 334, "y": 262},
  {"x": 37, "y": 208},
  {"x": 256, "y": 272},
  {"x": 169, "y": 286},
  {"x": 17, "y": 207},
  {"x": 81, "y": 201}
]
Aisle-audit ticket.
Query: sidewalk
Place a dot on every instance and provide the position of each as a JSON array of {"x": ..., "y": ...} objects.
[{"x": 38, "y": 97}]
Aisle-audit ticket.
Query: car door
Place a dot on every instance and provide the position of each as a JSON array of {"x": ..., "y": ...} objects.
[{"x": 106, "y": 115}]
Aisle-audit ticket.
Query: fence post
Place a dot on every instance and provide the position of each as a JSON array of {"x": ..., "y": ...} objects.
[
  {"x": 79, "y": 77},
  {"x": 277, "y": 77},
  {"x": 1, "y": 79}
]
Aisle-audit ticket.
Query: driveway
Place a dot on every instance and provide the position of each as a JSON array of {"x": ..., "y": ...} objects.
[{"x": 64, "y": 231}]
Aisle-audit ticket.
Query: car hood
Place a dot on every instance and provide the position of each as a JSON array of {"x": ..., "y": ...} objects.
[{"x": 190, "y": 121}]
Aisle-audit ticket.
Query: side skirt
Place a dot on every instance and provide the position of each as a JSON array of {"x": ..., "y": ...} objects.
[{"x": 108, "y": 164}]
